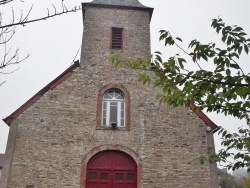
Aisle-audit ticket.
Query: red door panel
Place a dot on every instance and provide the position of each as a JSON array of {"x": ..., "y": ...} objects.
[
  {"x": 111, "y": 169},
  {"x": 104, "y": 179},
  {"x": 104, "y": 185},
  {"x": 119, "y": 179}
]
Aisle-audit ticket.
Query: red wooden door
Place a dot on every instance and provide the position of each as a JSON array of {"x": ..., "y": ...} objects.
[{"x": 111, "y": 169}]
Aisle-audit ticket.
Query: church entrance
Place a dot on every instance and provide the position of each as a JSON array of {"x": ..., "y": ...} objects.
[{"x": 111, "y": 169}]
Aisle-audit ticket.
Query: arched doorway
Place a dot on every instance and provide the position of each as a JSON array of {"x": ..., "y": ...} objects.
[{"x": 111, "y": 169}]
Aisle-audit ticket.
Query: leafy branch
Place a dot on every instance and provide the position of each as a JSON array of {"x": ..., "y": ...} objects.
[{"x": 225, "y": 89}]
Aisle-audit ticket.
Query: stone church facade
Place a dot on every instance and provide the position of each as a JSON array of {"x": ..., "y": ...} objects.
[{"x": 95, "y": 126}]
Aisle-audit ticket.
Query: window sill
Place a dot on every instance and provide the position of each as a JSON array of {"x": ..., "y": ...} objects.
[{"x": 111, "y": 128}]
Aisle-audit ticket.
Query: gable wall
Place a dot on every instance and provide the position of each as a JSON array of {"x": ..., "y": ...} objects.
[{"x": 59, "y": 130}]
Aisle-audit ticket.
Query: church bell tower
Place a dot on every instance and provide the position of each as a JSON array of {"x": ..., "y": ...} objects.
[{"x": 115, "y": 26}]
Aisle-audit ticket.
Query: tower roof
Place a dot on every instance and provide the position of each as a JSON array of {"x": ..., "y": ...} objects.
[
  {"x": 123, "y": 4},
  {"x": 129, "y": 3}
]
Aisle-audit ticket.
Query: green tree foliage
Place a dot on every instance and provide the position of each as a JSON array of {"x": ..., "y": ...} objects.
[
  {"x": 228, "y": 181},
  {"x": 245, "y": 182},
  {"x": 237, "y": 141},
  {"x": 223, "y": 88}
]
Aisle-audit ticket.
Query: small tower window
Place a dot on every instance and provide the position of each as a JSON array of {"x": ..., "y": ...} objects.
[
  {"x": 116, "y": 42},
  {"x": 113, "y": 109}
]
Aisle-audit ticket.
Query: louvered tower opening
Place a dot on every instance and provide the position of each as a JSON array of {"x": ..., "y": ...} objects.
[{"x": 116, "y": 38}]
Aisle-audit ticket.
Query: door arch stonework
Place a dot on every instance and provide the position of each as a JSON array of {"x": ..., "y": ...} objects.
[{"x": 121, "y": 162}]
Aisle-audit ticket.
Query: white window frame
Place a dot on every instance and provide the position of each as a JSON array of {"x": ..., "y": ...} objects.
[{"x": 112, "y": 97}]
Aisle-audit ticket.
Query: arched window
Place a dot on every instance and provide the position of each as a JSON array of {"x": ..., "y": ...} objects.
[{"x": 113, "y": 109}]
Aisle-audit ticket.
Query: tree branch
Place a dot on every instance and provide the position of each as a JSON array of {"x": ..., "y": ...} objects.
[
  {"x": 26, "y": 21},
  {"x": 2, "y": 2},
  {"x": 187, "y": 54}
]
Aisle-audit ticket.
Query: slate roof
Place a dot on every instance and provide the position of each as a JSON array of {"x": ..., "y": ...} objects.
[{"x": 129, "y": 3}]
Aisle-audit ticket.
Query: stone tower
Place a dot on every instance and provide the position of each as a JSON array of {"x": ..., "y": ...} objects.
[{"x": 95, "y": 126}]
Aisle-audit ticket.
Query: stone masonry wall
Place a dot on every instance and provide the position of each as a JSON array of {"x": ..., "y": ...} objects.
[{"x": 55, "y": 133}]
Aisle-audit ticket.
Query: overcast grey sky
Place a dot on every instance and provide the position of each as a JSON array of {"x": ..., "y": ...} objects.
[{"x": 54, "y": 43}]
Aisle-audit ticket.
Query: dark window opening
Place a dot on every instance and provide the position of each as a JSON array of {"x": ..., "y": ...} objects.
[
  {"x": 104, "y": 176},
  {"x": 92, "y": 175},
  {"x": 119, "y": 176},
  {"x": 116, "y": 38}
]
